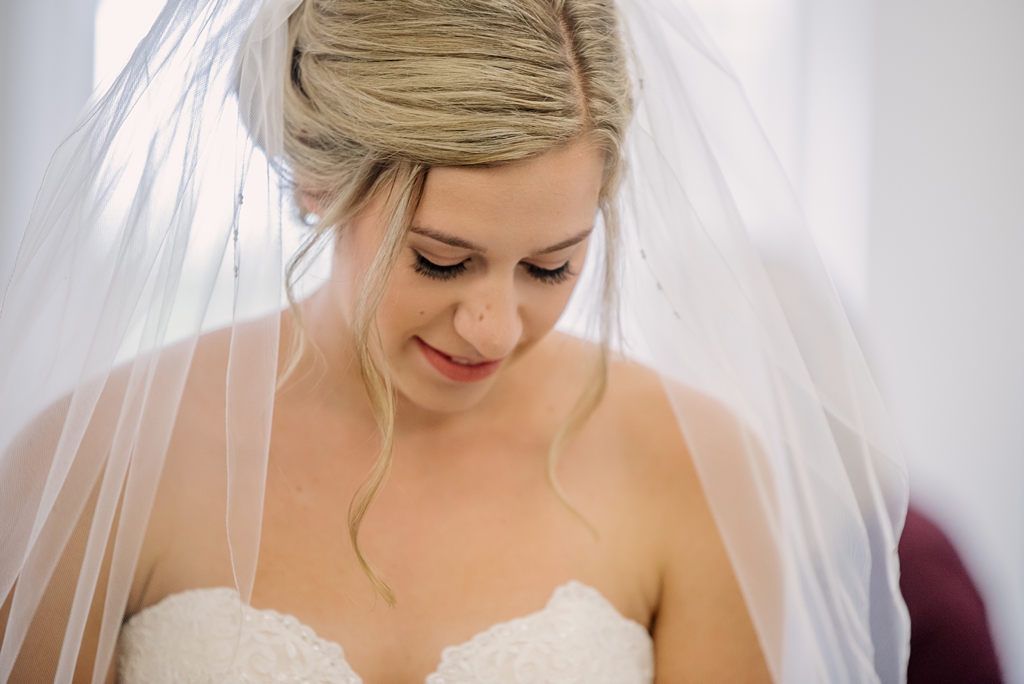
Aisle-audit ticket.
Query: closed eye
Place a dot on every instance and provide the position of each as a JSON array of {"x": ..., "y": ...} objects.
[
  {"x": 428, "y": 268},
  {"x": 551, "y": 276}
]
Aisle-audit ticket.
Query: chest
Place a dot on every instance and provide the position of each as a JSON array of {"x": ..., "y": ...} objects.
[
  {"x": 470, "y": 542},
  {"x": 467, "y": 538}
]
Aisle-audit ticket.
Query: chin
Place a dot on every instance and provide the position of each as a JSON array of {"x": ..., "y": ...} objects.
[{"x": 438, "y": 396}]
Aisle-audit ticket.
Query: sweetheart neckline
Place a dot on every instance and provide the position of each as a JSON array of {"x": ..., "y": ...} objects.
[{"x": 569, "y": 588}]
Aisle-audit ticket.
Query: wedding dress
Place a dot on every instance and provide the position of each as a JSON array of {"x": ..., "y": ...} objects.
[
  {"x": 208, "y": 635},
  {"x": 167, "y": 214}
]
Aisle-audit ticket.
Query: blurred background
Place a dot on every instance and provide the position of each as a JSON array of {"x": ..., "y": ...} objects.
[{"x": 901, "y": 125}]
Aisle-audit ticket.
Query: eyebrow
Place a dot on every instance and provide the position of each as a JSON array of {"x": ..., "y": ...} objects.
[
  {"x": 569, "y": 242},
  {"x": 446, "y": 238},
  {"x": 465, "y": 244}
]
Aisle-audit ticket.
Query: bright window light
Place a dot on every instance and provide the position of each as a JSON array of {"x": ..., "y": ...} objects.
[{"x": 120, "y": 25}]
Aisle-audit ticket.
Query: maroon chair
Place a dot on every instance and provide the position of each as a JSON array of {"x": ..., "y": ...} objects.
[{"x": 949, "y": 635}]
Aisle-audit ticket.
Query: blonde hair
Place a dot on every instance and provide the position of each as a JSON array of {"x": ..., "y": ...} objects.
[{"x": 382, "y": 90}]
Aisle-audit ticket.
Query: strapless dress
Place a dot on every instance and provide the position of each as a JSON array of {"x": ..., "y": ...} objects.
[{"x": 208, "y": 636}]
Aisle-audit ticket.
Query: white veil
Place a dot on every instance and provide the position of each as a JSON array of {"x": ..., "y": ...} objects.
[{"x": 167, "y": 214}]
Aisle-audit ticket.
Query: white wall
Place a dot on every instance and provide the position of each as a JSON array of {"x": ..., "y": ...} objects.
[
  {"x": 946, "y": 276},
  {"x": 901, "y": 124},
  {"x": 46, "y": 53},
  {"x": 806, "y": 68}
]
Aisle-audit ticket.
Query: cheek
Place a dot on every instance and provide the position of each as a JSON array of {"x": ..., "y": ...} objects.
[
  {"x": 409, "y": 305},
  {"x": 542, "y": 308},
  {"x": 547, "y": 303}
]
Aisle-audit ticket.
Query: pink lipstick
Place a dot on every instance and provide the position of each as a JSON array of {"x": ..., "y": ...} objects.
[{"x": 457, "y": 368}]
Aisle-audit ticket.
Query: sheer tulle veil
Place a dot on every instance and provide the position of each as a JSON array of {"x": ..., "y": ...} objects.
[{"x": 167, "y": 214}]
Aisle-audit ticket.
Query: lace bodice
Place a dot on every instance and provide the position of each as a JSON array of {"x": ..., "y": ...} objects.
[{"x": 195, "y": 637}]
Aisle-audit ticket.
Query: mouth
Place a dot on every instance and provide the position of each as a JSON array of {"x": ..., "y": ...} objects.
[{"x": 457, "y": 368}]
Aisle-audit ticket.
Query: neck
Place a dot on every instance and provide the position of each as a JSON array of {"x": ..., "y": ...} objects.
[{"x": 326, "y": 370}]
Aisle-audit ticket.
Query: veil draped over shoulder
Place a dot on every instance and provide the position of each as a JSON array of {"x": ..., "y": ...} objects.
[{"x": 167, "y": 213}]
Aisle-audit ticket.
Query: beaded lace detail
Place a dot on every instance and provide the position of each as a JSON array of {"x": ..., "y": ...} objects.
[{"x": 207, "y": 635}]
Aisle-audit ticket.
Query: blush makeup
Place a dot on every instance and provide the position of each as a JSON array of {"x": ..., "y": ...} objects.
[{"x": 454, "y": 368}]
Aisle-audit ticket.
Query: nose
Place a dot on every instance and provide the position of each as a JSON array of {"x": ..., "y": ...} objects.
[{"x": 488, "y": 318}]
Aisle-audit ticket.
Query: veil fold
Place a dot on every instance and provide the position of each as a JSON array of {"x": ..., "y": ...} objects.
[{"x": 167, "y": 214}]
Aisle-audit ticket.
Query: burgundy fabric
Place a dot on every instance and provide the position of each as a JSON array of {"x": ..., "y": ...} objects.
[{"x": 949, "y": 636}]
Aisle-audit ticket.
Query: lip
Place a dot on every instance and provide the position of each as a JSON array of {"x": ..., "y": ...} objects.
[{"x": 459, "y": 372}]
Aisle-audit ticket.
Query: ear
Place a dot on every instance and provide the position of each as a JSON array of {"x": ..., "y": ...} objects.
[{"x": 309, "y": 204}]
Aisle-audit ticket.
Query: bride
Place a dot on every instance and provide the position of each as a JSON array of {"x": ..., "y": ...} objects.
[{"x": 409, "y": 473}]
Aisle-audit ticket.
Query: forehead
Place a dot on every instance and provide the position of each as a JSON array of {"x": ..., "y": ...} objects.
[{"x": 528, "y": 204}]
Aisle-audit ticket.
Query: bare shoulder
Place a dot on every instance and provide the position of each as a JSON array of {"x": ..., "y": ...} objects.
[
  {"x": 190, "y": 495},
  {"x": 702, "y": 629},
  {"x": 185, "y": 536},
  {"x": 642, "y": 416},
  {"x": 647, "y": 399},
  {"x": 91, "y": 421},
  {"x": 650, "y": 414}
]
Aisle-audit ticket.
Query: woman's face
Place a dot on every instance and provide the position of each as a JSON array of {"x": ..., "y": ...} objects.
[{"x": 486, "y": 270}]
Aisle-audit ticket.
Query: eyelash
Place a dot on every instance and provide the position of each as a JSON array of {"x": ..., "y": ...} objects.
[
  {"x": 551, "y": 276},
  {"x": 435, "y": 271}
]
